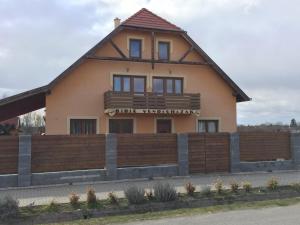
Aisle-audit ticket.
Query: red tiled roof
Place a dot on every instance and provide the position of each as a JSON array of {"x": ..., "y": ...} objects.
[{"x": 146, "y": 19}]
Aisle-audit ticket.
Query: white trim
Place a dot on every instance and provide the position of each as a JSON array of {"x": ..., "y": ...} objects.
[
  {"x": 123, "y": 117},
  {"x": 83, "y": 118},
  {"x": 209, "y": 118},
  {"x": 164, "y": 118}
]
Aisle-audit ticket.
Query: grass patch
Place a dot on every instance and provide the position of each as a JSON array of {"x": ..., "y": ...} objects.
[{"x": 183, "y": 212}]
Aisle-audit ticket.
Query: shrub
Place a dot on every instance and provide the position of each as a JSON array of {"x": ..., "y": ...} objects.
[
  {"x": 206, "y": 191},
  {"x": 74, "y": 199},
  {"x": 113, "y": 199},
  {"x": 272, "y": 184},
  {"x": 9, "y": 208},
  {"x": 234, "y": 186},
  {"x": 164, "y": 192},
  {"x": 135, "y": 195},
  {"x": 219, "y": 186},
  {"x": 53, "y": 206},
  {"x": 247, "y": 186},
  {"x": 150, "y": 195},
  {"x": 91, "y": 198},
  {"x": 296, "y": 186},
  {"x": 190, "y": 188}
]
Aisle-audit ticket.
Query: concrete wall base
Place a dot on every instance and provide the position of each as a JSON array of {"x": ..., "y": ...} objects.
[
  {"x": 147, "y": 172},
  {"x": 9, "y": 180},
  {"x": 67, "y": 177},
  {"x": 265, "y": 166}
]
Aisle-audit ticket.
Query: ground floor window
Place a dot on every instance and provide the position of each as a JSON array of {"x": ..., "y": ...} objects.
[
  {"x": 163, "y": 126},
  {"x": 208, "y": 126},
  {"x": 83, "y": 126},
  {"x": 120, "y": 126}
]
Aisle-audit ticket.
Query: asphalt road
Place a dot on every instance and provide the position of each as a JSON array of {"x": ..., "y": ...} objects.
[{"x": 289, "y": 215}]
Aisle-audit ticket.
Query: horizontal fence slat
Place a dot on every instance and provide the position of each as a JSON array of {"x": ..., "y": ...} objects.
[
  {"x": 146, "y": 149},
  {"x": 264, "y": 146},
  {"x": 209, "y": 152},
  {"x": 65, "y": 153},
  {"x": 9, "y": 151}
]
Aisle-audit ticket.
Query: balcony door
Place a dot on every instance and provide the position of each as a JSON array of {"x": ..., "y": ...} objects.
[
  {"x": 129, "y": 84},
  {"x": 163, "y": 126}
]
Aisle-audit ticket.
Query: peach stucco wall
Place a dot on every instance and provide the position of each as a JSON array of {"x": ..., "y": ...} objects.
[{"x": 81, "y": 93}]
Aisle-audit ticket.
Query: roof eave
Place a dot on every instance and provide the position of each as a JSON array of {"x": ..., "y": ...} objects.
[
  {"x": 26, "y": 94},
  {"x": 241, "y": 95}
]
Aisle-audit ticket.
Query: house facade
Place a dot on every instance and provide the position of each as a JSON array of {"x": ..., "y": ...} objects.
[{"x": 146, "y": 76}]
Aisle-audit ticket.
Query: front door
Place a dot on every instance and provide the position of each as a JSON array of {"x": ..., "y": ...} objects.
[{"x": 163, "y": 126}]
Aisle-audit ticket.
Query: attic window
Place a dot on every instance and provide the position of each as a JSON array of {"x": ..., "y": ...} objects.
[
  {"x": 135, "y": 48},
  {"x": 164, "y": 50}
]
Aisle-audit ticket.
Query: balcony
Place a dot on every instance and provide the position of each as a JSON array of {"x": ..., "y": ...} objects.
[{"x": 120, "y": 102}]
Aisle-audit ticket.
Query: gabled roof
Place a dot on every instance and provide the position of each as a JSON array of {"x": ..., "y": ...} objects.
[{"x": 146, "y": 19}]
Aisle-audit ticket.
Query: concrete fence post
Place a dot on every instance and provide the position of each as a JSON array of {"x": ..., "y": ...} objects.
[
  {"x": 235, "y": 152},
  {"x": 183, "y": 154},
  {"x": 295, "y": 149},
  {"x": 111, "y": 143},
  {"x": 24, "y": 164}
]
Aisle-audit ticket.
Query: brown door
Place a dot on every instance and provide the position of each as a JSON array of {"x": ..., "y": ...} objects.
[{"x": 163, "y": 126}]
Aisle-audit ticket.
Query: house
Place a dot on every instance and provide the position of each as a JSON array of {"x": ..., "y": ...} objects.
[{"x": 146, "y": 76}]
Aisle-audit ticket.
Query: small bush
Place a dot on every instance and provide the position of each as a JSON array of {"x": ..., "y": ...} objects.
[
  {"x": 135, "y": 195},
  {"x": 272, "y": 184},
  {"x": 150, "y": 195},
  {"x": 234, "y": 186},
  {"x": 9, "y": 208},
  {"x": 219, "y": 186},
  {"x": 206, "y": 191},
  {"x": 164, "y": 192},
  {"x": 74, "y": 199},
  {"x": 53, "y": 206},
  {"x": 91, "y": 198},
  {"x": 113, "y": 199},
  {"x": 190, "y": 189},
  {"x": 295, "y": 186},
  {"x": 247, "y": 186}
]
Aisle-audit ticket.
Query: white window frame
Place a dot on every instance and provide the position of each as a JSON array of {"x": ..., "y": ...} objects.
[{"x": 208, "y": 118}]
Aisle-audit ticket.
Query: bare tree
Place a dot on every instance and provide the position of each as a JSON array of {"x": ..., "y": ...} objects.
[{"x": 32, "y": 123}]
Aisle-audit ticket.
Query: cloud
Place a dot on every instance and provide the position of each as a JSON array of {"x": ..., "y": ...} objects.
[{"x": 254, "y": 41}]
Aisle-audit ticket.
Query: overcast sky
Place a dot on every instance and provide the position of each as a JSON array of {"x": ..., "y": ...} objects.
[{"x": 256, "y": 42}]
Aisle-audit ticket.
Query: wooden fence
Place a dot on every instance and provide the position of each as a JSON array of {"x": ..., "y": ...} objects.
[
  {"x": 9, "y": 150},
  {"x": 209, "y": 153},
  {"x": 146, "y": 149},
  {"x": 264, "y": 146},
  {"x": 65, "y": 153}
]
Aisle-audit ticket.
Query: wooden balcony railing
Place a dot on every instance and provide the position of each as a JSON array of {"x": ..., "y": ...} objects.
[{"x": 149, "y": 100}]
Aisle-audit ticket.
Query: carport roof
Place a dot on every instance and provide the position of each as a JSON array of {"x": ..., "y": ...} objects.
[{"x": 23, "y": 103}]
